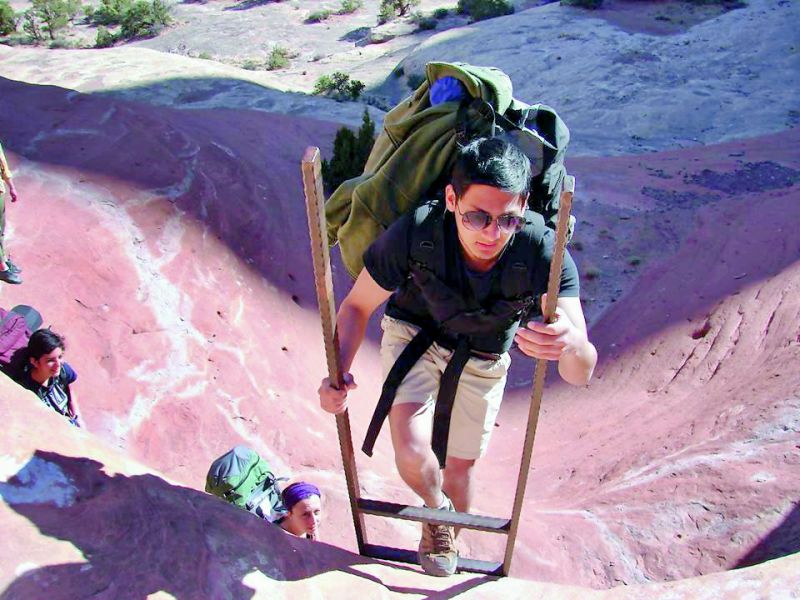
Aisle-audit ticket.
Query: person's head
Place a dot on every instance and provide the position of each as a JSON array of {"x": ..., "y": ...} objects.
[
  {"x": 45, "y": 350},
  {"x": 304, "y": 503},
  {"x": 488, "y": 193}
]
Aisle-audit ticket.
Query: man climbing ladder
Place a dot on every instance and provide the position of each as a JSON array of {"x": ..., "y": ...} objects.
[{"x": 460, "y": 275}]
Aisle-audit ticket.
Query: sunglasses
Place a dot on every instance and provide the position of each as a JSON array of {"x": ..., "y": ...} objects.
[{"x": 476, "y": 220}]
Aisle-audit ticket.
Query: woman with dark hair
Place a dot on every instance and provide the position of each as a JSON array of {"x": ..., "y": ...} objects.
[
  {"x": 48, "y": 376},
  {"x": 304, "y": 503}
]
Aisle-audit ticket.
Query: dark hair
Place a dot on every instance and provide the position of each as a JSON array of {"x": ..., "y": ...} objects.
[
  {"x": 494, "y": 162},
  {"x": 44, "y": 341}
]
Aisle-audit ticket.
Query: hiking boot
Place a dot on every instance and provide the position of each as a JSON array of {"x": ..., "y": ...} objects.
[
  {"x": 10, "y": 276},
  {"x": 12, "y": 267},
  {"x": 437, "y": 548}
]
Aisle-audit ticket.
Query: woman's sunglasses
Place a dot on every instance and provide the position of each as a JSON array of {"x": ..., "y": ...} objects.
[{"x": 476, "y": 220}]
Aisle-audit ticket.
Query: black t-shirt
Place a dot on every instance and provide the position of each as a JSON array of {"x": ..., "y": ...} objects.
[
  {"x": 387, "y": 261},
  {"x": 54, "y": 394}
]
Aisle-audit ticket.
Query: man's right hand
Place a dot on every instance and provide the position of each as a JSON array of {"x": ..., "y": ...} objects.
[{"x": 334, "y": 400}]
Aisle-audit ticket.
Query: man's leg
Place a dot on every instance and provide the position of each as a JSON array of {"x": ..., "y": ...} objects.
[
  {"x": 457, "y": 482},
  {"x": 411, "y": 437}
]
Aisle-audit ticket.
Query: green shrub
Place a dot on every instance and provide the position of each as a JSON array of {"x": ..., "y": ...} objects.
[
  {"x": 441, "y": 13},
  {"x": 319, "y": 16},
  {"x": 339, "y": 86},
  {"x": 389, "y": 9},
  {"x": 350, "y": 6},
  {"x": 51, "y": 16},
  {"x": 144, "y": 19},
  {"x": 590, "y": 4},
  {"x": 32, "y": 26},
  {"x": 425, "y": 23},
  {"x": 415, "y": 80},
  {"x": 252, "y": 64},
  {"x": 350, "y": 153},
  {"x": 104, "y": 38},
  {"x": 278, "y": 58},
  {"x": 205, "y": 56},
  {"x": 485, "y": 9},
  {"x": 109, "y": 12},
  {"x": 8, "y": 20}
]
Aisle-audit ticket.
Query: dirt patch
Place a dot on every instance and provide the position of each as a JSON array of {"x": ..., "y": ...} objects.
[
  {"x": 753, "y": 177},
  {"x": 660, "y": 17}
]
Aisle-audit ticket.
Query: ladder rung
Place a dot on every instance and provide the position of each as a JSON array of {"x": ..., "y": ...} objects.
[
  {"x": 468, "y": 565},
  {"x": 433, "y": 515}
]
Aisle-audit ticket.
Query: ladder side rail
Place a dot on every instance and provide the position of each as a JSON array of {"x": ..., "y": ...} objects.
[
  {"x": 548, "y": 312},
  {"x": 323, "y": 282}
]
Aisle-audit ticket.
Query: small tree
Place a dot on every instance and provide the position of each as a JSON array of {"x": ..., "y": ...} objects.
[
  {"x": 144, "y": 19},
  {"x": 339, "y": 86},
  {"x": 52, "y": 15},
  {"x": 8, "y": 20},
  {"x": 31, "y": 25},
  {"x": 350, "y": 153},
  {"x": 391, "y": 8}
]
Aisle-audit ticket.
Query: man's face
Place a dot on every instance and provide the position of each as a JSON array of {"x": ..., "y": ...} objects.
[
  {"x": 48, "y": 365},
  {"x": 305, "y": 516},
  {"x": 482, "y": 248}
]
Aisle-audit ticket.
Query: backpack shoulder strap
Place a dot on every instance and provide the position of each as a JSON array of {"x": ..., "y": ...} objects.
[
  {"x": 426, "y": 237},
  {"x": 521, "y": 262}
]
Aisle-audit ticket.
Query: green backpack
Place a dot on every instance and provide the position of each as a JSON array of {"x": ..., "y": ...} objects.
[
  {"x": 242, "y": 477},
  {"x": 414, "y": 154}
]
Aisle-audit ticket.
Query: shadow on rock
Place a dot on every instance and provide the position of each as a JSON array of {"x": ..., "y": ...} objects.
[
  {"x": 140, "y": 535},
  {"x": 781, "y": 541}
]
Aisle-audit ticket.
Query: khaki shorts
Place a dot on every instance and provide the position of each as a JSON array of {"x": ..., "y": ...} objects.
[{"x": 478, "y": 397}]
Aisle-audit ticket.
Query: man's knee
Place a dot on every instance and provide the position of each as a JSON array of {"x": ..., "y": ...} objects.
[{"x": 459, "y": 468}]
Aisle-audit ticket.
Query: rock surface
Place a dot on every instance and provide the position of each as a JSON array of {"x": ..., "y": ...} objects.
[
  {"x": 80, "y": 520},
  {"x": 170, "y": 246}
]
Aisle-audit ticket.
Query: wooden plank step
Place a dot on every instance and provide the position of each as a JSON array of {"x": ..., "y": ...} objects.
[
  {"x": 465, "y": 565},
  {"x": 434, "y": 515}
]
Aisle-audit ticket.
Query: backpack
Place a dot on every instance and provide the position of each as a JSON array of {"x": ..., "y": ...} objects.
[
  {"x": 16, "y": 327},
  {"x": 414, "y": 154},
  {"x": 242, "y": 477}
]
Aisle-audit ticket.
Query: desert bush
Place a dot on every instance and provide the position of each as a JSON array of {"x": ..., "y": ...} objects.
[
  {"x": 590, "y": 4},
  {"x": 144, "y": 19},
  {"x": 389, "y": 9},
  {"x": 415, "y": 80},
  {"x": 318, "y": 16},
  {"x": 441, "y": 13},
  {"x": 485, "y": 9},
  {"x": 425, "y": 23},
  {"x": 350, "y": 153},
  {"x": 46, "y": 16},
  {"x": 104, "y": 38},
  {"x": 278, "y": 58},
  {"x": 591, "y": 273},
  {"x": 339, "y": 86},
  {"x": 634, "y": 260},
  {"x": 109, "y": 12},
  {"x": 350, "y": 6},
  {"x": 8, "y": 20}
]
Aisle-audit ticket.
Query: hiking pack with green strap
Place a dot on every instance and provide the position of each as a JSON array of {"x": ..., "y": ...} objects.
[
  {"x": 242, "y": 477},
  {"x": 414, "y": 154}
]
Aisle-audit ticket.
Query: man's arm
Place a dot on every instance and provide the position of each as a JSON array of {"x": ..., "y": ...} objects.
[
  {"x": 564, "y": 340},
  {"x": 351, "y": 323}
]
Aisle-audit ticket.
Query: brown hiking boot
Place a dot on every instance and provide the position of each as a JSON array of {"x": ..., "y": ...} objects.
[{"x": 437, "y": 548}]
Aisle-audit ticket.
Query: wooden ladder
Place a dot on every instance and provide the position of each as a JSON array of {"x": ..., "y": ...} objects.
[{"x": 312, "y": 184}]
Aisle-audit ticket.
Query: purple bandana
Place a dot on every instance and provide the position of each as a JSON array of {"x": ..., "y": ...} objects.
[{"x": 297, "y": 492}]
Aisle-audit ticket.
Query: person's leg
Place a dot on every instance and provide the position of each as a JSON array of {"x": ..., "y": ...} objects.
[
  {"x": 457, "y": 482},
  {"x": 411, "y": 437}
]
